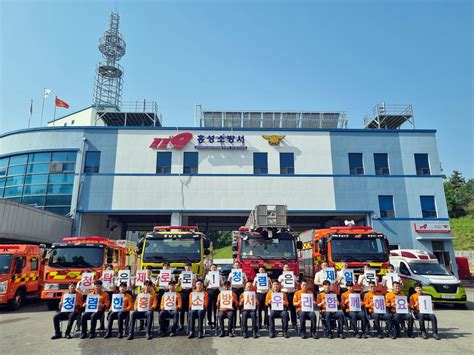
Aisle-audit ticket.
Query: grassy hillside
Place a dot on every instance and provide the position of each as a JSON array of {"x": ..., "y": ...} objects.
[
  {"x": 463, "y": 231},
  {"x": 223, "y": 253}
]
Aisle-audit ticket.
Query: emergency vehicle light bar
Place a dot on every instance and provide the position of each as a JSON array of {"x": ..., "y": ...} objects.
[
  {"x": 352, "y": 228},
  {"x": 167, "y": 228},
  {"x": 82, "y": 239},
  {"x": 10, "y": 247}
]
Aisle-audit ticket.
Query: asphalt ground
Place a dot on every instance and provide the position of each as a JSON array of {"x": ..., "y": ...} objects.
[{"x": 28, "y": 331}]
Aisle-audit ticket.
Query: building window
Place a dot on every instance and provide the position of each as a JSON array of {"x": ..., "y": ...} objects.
[
  {"x": 356, "y": 165},
  {"x": 92, "y": 163},
  {"x": 260, "y": 163},
  {"x": 43, "y": 179},
  {"x": 190, "y": 165},
  {"x": 386, "y": 207},
  {"x": 422, "y": 164},
  {"x": 428, "y": 207},
  {"x": 287, "y": 164},
  {"x": 163, "y": 163},
  {"x": 381, "y": 164}
]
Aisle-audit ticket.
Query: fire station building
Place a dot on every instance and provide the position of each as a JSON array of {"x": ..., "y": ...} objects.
[{"x": 116, "y": 170}]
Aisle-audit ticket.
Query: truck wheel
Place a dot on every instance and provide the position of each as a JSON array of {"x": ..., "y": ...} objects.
[
  {"x": 460, "y": 305},
  {"x": 53, "y": 305},
  {"x": 17, "y": 300}
]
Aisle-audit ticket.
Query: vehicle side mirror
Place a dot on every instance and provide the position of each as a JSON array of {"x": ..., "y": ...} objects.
[
  {"x": 18, "y": 267},
  {"x": 110, "y": 260},
  {"x": 299, "y": 245},
  {"x": 207, "y": 243},
  {"x": 207, "y": 251},
  {"x": 234, "y": 255},
  {"x": 322, "y": 246},
  {"x": 235, "y": 247}
]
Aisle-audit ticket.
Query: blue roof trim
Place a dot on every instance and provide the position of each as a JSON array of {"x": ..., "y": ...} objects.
[
  {"x": 410, "y": 219},
  {"x": 268, "y": 175},
  {"x": 223, "y": 211},
  {"x": 338, "y": 130}
]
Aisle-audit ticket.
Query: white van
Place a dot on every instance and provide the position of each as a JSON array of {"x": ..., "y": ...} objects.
[{"x": 422, "y": 266}]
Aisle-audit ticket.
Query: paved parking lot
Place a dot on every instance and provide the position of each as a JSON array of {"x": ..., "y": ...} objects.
[{"x": 29, "y": 329}]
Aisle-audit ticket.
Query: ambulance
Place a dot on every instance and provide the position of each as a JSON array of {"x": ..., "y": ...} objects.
[{"x": 422, "y": 266}]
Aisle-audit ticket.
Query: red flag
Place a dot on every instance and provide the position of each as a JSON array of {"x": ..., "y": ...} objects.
[{"x": 61, "y": 103}]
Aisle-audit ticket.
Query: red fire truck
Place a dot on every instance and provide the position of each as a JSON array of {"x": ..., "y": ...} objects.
[
  {"x": 354, "y": 245},
  {"x": 266, "y": 240},
  {"x": 67, "y": 260}
]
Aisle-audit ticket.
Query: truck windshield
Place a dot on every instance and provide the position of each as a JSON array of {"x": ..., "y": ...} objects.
[
  {"x": 358, "y": 250},
  {"x": 172, "y": 250},
  {"x": 276, "y": 248},
  {"x": 5, "y": 260},
  {"x": 80, "y": 257},
  {"x": 429, "y": 269}
]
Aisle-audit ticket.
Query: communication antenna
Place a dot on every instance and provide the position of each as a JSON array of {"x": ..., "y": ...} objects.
[{"x": 109, "y": 74}]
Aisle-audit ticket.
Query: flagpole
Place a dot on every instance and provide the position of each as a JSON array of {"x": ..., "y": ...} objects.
[
  {"x": 31, "y": 112},
  {"x": 54, "y": 118},
  {"x": 42, "y": 108}
]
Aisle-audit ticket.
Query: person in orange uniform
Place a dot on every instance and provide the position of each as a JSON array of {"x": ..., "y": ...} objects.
[
  {"x": 305, "y": 315},
  {"x": 153, "y": 303},
  {"x": 121, "y": 315},
  {"x": 283, "y": 314},
  {"x": 197, "y": 313},
  {"x": 104, "y": 303},
  {"x": 328, "y": 316},
  {"x": 345, "y": 305},
  {"x": 369, "y": 305},
  {"x": 390, "y": 301},
  {"x": 228, "y": 313},
  {"x": 166, "y": 314},
  {"x": 414, "y": 305},
  {"x": 69, "y": 316},
  {"x": 246, "y": 313}
]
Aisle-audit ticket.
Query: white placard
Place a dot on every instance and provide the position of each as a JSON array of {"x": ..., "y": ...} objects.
[
  {"x": 391, "y": 277},
  {"x": 108, "y": 280},
  {"x": 237, "y": 277},
  {"x": 262, "y": 282},
  {"x": 307, "y": 302},
  {"x": 379, "y": 304},
  {"x": 354, "y": 302},
  {"x": 331, "y": 302},
  {"x": 92, "y": 303},
  {"x": 186, "y": 279},
  {"x": 143, "y": 301},
  {"x": 277, "y": 301},
  {"x": 330, "y": 274},
  {"x": 288, "y": 279},
  {"x": 165, "y": 278},
  {"x": 250, "y": 300},
  {"x": 348, "y": 275},
  {"x": 117, "y": 302},
  {"x": 141, "y": 277},
  {"x": 370, "y": 275},
  {"x": 197, "y": 301},
  {"x": 69, "y": 302},
  {"x": 124, "y": 276},
  {"x": 87, "y": 281},
  {"x": 226, "y": 300},
  {"x": 170, "y": 301},
  {"x": 425, "y": 304},
  {"x": 214, "y": 279},
  {"x": 401, "y": 304}
]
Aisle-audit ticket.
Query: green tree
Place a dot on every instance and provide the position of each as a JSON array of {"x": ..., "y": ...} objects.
[
  {"x": 459, "y": 195},
  {"x": 220, "y": 238}
]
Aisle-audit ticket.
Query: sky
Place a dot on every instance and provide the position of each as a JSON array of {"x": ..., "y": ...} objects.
[{"x": 250, "y": 55}]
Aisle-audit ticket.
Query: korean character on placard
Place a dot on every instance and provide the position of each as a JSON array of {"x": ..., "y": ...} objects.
[
  {"x": 237, "y": 277},
  {"x": 250, "y": 301},
  {"x": 87, "y": 280},
  {"x": 348, "y": 275},
  {"x": 142, "y": 276},
  {"x": 307, "y": 302},
  {"x": 226, "y": 299},
  {"x": 92, "y": 303},
  {"x": 69, "y": 301},
  {"x": 211, "y": 138},
  {"x": 401, "y": 304},
  {"x": 201, "y": 139},
  {"x": 330, "y": 274},
  {"x": 331, "y": 302},
  {"x": 117, "y": 302},
  {"x": 354, "y": 302},
  {"x": 197, "y": 301},
  {"x": 277, "y": 301},
  {"x": 262, "y": 281},
  {"x": 170, "y": 301}
]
